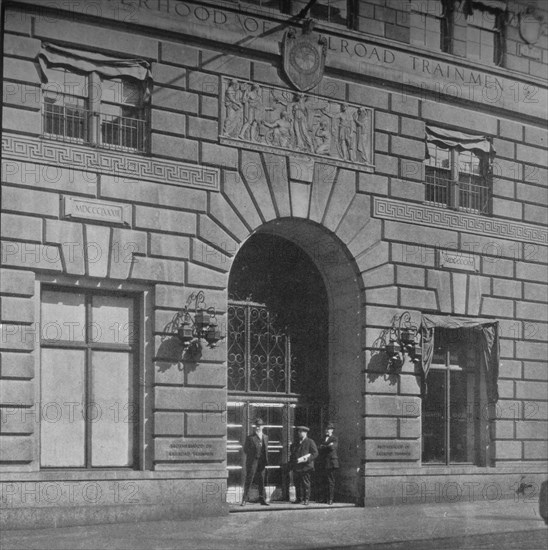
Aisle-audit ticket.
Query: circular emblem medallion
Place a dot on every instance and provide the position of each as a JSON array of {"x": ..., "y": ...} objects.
[{"x": 305, "y": 58}]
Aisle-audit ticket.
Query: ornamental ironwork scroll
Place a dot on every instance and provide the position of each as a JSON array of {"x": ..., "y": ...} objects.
[
  {"x": 275, "y": 119},
  {"x": 259, "y": 355}
]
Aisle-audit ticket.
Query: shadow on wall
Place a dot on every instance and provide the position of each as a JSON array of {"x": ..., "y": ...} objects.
[
  {"x": 173, "y": 353},
  {"x": 378, "y": 364}
]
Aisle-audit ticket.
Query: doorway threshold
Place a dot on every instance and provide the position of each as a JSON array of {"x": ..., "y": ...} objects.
[{"x": 278, "y": 506}]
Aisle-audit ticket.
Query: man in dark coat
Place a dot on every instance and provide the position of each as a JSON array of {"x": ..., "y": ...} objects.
[
  {"x": 256, "y": 459},
  {"x": 328, "y": 463},
  {"x": 303, "y": 454}
]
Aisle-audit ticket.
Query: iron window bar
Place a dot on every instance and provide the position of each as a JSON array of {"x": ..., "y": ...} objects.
[{"x": 74, "y": 124}]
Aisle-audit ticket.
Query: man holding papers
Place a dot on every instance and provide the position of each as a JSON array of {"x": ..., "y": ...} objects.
[{"x": 303, "y": 454}]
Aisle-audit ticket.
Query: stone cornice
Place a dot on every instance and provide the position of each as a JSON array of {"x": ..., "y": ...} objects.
[
  {"x": 105, "y": 161},
  {"x": 419, "y": 214}
]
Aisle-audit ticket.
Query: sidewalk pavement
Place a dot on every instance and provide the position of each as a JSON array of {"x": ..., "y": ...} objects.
[{"x": 278, "y": 527}]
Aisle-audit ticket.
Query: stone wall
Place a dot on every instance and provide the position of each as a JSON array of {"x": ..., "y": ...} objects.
[{"x": 193, "y": 201}]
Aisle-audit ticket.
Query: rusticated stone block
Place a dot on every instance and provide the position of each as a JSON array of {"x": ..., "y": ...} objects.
[
  {"x": 409, "y": 427},
  {"x": 409, "y": 384},
  {"x": 205, "y": 424},
  {"x": 17, "y": 310},
  {"x": 203, "y": 253},
  {"x": 407, "y": 190},
  {"x": 21, "y": 227},
  {"x": 172, "y": 246},
  {"x": 381, "y": 276},
  {"x": 226, "y": 216},
  {"x": 381, "y": 427},
  {"x": 210, "y": 231},
  {"x": 159, "y": 270},
  {"x": 180, "y": 54},
  {"x": 15, "y": 421},
  {"x": 165, "y": 220},
  {"x": 341, "y": 197},
  {"x": 532, "y": 390},
  {"x": 70, "y": 237},
  {"x": 375, "y": 383},
  {"x": 15, "y": 448},
  {"x": 206, "y": 375},
  {"x": 380, "y": 405},
  {"x": 169, "y": 423},
  {"x": 17, "y": 392},
  {"x": 18, "y": 69},
  {"x": 174, "y": 147},
  {"x": 202, "y": 128},
  {"x": 535, "y": 450},
  {"x": 98, "y": 250},
  {"x": 405, "y": 147},
  {"x": 125, "y": 244},
  {"x": 30, "y": 201},
  {"x": 225, "y": 64},
  {"x": 169, "y": 75},
  {"x": 200, "y": 275},
  {"x": 17, "y": 337},
  {"x": 418, "y": 299},
  {"x": 31, "y": 256},
  {"x": 532, "y": 429},
  {"x": 44, "y": 176},
  {"x": 535, "y": 371},
  {"x": 461, "y": 118},
  {"x": 16, "y": 365},
  {"x": 168, "y": 122},
  {"x": 219, "y": 155},
  {"x": 508, "y": 449},
  {"x": 203, "y": 83},
  {"x": 190, "y": 399}
]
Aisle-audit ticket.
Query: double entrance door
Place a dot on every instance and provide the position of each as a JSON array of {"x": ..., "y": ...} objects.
[{"x": 261, "y": 378}]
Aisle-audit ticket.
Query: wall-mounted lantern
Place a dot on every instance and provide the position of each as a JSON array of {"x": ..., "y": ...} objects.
[
  {"x": 404, "y": 339},
  {"x": 203, "y": 325}
]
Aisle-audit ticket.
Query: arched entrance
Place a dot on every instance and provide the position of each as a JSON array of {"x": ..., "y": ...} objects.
[{"x": 294, "y": 347}]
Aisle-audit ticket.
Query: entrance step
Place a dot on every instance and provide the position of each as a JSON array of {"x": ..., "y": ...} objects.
[{"x": 278, "y": 506}]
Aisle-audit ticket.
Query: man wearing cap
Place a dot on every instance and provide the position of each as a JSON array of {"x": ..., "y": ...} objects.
[
  {"x": 256, "y": 459},
  {"x": 328, "y": 463},
  {"x": 303, "y": 454}
]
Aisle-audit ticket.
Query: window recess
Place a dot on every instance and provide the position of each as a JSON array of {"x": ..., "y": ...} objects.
[
  {"x": 95, "y": 99},
  {"x": 458, "y": 170}
]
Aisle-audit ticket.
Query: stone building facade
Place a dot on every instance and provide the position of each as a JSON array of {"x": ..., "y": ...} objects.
[{"x": 150, "y": 146}]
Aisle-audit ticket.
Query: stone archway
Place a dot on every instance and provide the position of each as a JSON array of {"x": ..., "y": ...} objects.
[{"x": 344, "y": 347}]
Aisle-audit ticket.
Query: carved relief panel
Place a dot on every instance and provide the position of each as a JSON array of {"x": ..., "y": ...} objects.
[{"x": 271, "y": 118}]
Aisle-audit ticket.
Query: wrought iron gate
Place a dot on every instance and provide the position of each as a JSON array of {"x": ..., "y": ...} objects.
[
  {"x": 259, "y": 354},
  {"x": 260, "y": 376}
]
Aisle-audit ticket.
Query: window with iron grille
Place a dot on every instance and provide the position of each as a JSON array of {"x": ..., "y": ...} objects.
[
  {"x": 83, "y": 108},
  {"x": 457, "y": 179}
]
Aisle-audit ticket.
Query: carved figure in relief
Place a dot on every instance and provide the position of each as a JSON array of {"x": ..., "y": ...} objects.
[
  {"x": 345, "y": 133},
  {"x": 300, "y": 109},
  {"x": 253, "y": 112},
  {"x": 361, "y": 120},
  {"x": 233, "y": 106},
  {"x": 323, "y": 139},
  {"x": 282, "y": 130}
]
